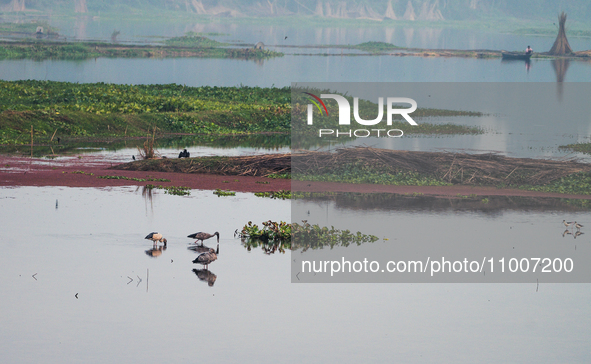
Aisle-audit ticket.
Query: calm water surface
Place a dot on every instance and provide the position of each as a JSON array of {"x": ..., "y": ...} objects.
[
  {"x": 85, "y": 28},
  {"x": 90, "y": 241},
  {"x": 280, "y": 72},
  {"x": 91, "y": 244}
]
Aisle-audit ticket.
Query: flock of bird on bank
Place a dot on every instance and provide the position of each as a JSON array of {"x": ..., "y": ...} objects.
[
  {"x": 207, "y": 255},
  {"x": 572, "y": 224}
]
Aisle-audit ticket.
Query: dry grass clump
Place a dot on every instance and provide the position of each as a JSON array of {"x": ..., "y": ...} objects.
[
  {"x": 147, "y": 151},
  {"x": 463, "y": 168}
]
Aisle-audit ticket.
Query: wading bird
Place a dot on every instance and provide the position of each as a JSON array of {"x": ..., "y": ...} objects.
[
  {"x": 208, "y": 257},
  {"x": 156, "y": 237},
  {"x": 567, "y": 224},
  {"x": 203, "y": 236},
  {"x": 578, "y": 226}
]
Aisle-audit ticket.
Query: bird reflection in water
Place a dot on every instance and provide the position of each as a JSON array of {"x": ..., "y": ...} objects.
[
  {"x": 205, "y": 275},
  {"x": 156, "y": 251},
  {"x": 199, "y": 248}
]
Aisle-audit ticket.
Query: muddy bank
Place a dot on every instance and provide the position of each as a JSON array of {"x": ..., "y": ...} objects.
[
  {"x": 247, "y": 174},
  {"x": 83, "y": 172}
]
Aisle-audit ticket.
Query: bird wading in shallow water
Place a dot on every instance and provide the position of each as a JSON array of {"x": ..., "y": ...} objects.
[
  {"x": 578, "y": 226},
  {"x": 203, "y": 236},
  {"x": 567, "y": 223},
  {"x": 156, "y": 237},
  {"x": 207, "y": 257}
]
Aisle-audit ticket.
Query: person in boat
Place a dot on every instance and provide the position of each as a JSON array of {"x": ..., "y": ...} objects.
[{"x": 529, "y": 50}]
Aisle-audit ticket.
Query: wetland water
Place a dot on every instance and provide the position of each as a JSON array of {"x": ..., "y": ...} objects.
[
  {"x": 88, "y": 241},
  {"x": 93, "y": 240},
  {"x": 283, "y": 71}
]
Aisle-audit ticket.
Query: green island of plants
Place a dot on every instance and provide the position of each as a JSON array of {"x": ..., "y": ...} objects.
[
  {"x": 108, "y": 110},
  {"x": 192, "y": 39},
  {"x": 299, "y": 236},
  {"x": 281, "y": 194},
  {"x": 221, "y": 193},
  {"x": 189, "y": 45},
  {"x": 62, "y": 109},
  {"x": 578, "y": 147},
  {"x": 171, "y": 190}
]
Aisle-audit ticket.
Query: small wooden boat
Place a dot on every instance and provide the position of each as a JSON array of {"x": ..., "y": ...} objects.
[{"x": 517, "y": 55}]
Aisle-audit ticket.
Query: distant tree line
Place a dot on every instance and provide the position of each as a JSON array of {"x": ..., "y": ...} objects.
[{"x": 373, "y": 9}]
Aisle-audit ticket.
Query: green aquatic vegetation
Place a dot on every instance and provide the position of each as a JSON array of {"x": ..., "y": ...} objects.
[
  {"x": 374, "y": 46},
  {"x": 192, "y": 39},
  {"x": 578, "y": 147},
  {"x": 359, "y": 172},
  {"x": 578, "y": 203},
  {"x": 81, "y": 172},
  {"x": 172, "y": 190},
  {"x": 306, "y": 236},
  {"x": 296, "y": 236},
  {"x": 312, "y": 195},
  {"x": 29, "y": 27},
  {"x": 38, "y": 51},
  {"x": 135, "y": 179},
  {"x": 281, "y": 194},
  {"x": 279, "y": 176},
  {"x": 193, "y": 46},
  {"x": 221, "y": 193},
  {"x": 303, "y": 135},
  {"x": 99, "y": 109},
  {"x": 131, "y": 110},
  {"x": 576, "y": 184},
  {"x": 271, "y": 231}
]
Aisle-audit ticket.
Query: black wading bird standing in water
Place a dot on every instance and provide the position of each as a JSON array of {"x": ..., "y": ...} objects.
[{"x": 203, "y": 236}]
